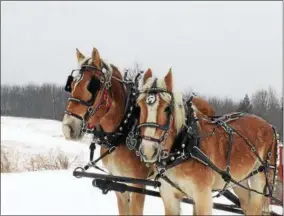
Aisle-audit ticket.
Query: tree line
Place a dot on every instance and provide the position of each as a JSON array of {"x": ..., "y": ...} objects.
[{"x": 49, "y": 101}]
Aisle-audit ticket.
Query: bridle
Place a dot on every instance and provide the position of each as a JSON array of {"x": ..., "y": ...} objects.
[
  {"x": 95, "y": 85},
  {"x": 153, "y": 91}
]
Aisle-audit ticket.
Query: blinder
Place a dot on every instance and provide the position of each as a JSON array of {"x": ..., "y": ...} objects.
[
  {"x": 68, "y": 83},
  {"x": 94, "y": 86}
]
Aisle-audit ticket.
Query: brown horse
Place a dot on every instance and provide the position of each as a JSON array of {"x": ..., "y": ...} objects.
[
  {"x": 163, "y": 117},
  {"x": 93, "y": 89},
  {"x": 109, "y": 106}
]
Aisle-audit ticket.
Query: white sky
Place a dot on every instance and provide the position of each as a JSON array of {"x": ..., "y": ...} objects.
[{"x": 214, "y": 48}]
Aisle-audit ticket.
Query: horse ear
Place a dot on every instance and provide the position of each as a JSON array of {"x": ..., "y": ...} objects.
[
  {"x": 80, "y": 56},
  {"x": 169, "y": 80},
  {"x": 96, "y": 59},
  {"x": 147, "y": 75}
]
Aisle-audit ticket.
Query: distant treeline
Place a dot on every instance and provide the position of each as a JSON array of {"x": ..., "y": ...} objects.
[
  {"x": 46, "y": 101},
  {"x": 49, "y": 101}
]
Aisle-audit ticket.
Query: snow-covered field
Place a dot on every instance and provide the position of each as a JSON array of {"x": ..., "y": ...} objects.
[{"x": 58, "y": 192}]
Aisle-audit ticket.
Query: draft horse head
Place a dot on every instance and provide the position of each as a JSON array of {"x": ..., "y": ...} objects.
[
  {"x": 156, "y": 102},
  {"x": 90, "y": 95}
]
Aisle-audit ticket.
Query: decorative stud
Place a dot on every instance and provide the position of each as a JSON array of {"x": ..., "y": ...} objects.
[
  {"x": 178, "y": 152},
  {"x": 183, "y": 145},
  {"x": 125, "y": 121},
  {"x": 131, "y": 108},
  {"x": 151, "y": 99},
  {"x": 128, "y": 115},
  {"x": 164, "y": 163},
  {"x": 120, "y": 128},
  {"x": 105, "y": 137},
  {"x": 172, "y": 158}
]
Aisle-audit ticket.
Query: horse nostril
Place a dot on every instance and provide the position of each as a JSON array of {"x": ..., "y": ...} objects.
[{"x": 155, "y": 153}]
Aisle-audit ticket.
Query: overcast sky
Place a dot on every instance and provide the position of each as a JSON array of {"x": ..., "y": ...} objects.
[{"x": 214, "y": 48}]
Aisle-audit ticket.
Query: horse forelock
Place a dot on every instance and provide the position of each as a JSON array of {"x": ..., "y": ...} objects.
[{"x": 86, "y": 60}]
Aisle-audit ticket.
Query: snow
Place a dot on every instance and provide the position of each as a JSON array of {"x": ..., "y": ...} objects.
[{"x": 58, "y": 192}]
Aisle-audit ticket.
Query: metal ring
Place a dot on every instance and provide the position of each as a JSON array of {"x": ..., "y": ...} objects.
[
  {"x": 137, "y": 153},
  {"x": 90, "y": 109}
]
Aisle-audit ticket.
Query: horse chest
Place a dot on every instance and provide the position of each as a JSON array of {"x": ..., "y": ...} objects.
[
  {"x": 185, "y": 183},
  {"x": 116, "y": 165}
]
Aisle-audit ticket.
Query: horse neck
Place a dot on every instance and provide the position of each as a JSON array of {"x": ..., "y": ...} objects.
[
  {"x": 114, "y": 116},
  {"x": 203, "y": 106},
  {"x": 202, "y": 119}
]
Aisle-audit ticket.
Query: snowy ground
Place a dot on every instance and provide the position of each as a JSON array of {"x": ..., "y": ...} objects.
[{"x": 58, "y": 192}]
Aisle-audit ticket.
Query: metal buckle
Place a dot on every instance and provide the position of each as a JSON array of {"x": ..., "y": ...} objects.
[
  {"x": 102, "y": 79},
  {"x": 161, "y": 171},
  {"x": 91, "y": 111}
]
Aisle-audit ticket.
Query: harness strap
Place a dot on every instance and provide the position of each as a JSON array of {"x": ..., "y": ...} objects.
[
  {"x": 93, "y": 163},
  {"x": 198, "y": 154},
  {"x": 249, "y": 144},
  {"x": 164, "y": 177}
]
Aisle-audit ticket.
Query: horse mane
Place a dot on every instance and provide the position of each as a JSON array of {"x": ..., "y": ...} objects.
[
  {"x": 118, "y": 90},
  {"x": 116, "y": 72}
]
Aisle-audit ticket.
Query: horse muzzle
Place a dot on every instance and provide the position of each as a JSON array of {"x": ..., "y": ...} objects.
[{"x": 71, "y": 128}]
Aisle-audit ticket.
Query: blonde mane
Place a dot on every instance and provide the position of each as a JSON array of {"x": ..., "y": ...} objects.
[{"x": 179, "y": 111}]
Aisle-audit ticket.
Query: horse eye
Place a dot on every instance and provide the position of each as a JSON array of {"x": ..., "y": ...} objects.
[{"x": 167, "y": 109}]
